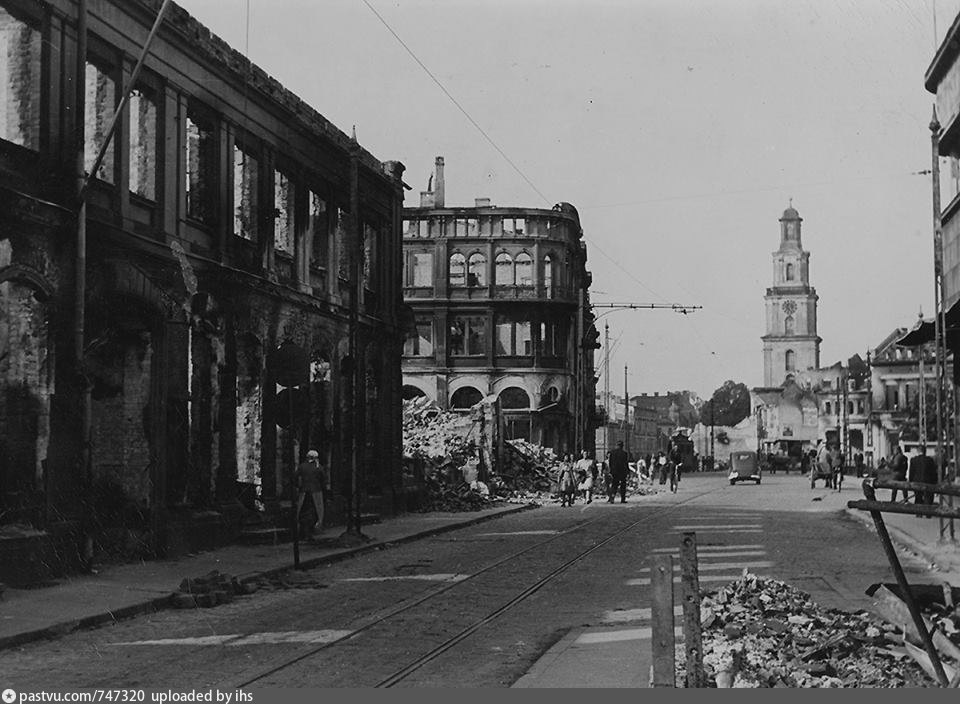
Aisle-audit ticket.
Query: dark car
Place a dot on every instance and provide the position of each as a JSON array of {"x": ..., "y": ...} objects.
[{"x": 744, "y": 467}]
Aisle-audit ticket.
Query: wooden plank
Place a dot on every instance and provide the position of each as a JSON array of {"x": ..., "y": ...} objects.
[
  {"x": 690, "y": 593},
  {"x": 663, "y": 639},
  {"x": 912, "y": 509}
]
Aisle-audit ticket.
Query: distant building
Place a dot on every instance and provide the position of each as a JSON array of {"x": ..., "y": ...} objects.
[{"x": 501, "y": 306}]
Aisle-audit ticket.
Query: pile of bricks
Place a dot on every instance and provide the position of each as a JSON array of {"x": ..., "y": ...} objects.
[{"x": 212, "y": 589}]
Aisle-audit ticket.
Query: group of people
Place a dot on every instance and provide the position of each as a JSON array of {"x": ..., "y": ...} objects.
[
  {"x": 580, "y": 478},
  {"x": 919, "y": 468}
]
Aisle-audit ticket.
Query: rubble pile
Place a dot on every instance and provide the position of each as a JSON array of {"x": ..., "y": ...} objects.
[
  {"x": 443, "y": 496},
  {"x": 760, "y": 632},
  {"x": 439, "y": 438},
  {"x": 528, "y": 470},
  {"x": 212, "y": 589}
]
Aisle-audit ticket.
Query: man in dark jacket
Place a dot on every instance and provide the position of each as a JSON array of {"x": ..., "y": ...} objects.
[
  {"x": 619, "y": 466},
  {"x": 898, "y": 467},
  {"x": 923, "y": 468}
]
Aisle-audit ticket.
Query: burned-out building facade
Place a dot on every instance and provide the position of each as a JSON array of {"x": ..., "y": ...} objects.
[
  {"x": 138, "y": 341},
  {"x": 501, "y": 307}
]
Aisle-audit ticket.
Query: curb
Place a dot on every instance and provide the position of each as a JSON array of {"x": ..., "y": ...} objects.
[
  {"x": 905, "y": 541},
  {"x": 158, "y": 604}
]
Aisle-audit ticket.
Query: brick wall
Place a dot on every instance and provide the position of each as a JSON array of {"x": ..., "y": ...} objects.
[{"x": 25, "y": 388}]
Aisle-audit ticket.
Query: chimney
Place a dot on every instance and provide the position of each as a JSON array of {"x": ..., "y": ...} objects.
[
  {"x": 482, "y": 202},
  {"x": 438, "y": 185}
]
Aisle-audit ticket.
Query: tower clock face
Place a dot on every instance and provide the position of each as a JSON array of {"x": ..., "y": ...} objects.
[{"x": 790, "y": 307}]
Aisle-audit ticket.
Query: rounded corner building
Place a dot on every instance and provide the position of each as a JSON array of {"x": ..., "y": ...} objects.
[{"x": 500, "y": 305}]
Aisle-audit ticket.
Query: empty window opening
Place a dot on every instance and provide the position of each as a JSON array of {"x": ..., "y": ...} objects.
[
  {"x": 504, "y": 269},
  {"x": 143, "y": 144},
  {"x": 318, "y": 232},
  {"x": 524, "y": 270},
  {"x": 99, "y": 104},
  {"x": 19, "y": 82},
  {"x": 467, "y": 336},
  {"x": 465, "y": 397},
  {"x": 514, "y": 397},
  {"x": 200, "y": 168},
  {"x": 458, "y": 270},
  {"x": 422, "y": 266},
  {"x": 284, "y": 198},
  {"x": 421, "y": 343},
  {"x": 246, "y": 187},
  {"x": 790, "y": 359},
  {"x": 477, "y": 270}
]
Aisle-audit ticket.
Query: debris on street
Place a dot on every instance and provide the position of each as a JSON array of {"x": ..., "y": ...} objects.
[
  {"x": 452, "y": 457},
  {"x": 212, "y": 589},
  {"x": 761, "y": 632}
]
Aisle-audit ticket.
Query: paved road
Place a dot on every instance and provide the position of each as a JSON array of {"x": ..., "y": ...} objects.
[{"x": 478, "y": 606}]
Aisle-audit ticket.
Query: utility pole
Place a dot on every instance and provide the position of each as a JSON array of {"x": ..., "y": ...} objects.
[
  {"x": 626, "y": 411},
  {"x": 606, "y": 388},
  {"x": 946, "y": 526}
]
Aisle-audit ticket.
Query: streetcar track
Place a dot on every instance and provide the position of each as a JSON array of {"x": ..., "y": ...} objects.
[
  {"x": 375, "y": 619},
  {"x": 451, "y": 642}
]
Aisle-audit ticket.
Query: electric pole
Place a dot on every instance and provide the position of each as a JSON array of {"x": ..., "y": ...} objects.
[{"x": 626, "y": 411}]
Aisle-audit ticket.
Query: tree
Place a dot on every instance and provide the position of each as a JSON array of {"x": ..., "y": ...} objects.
[{"x": 729, "y": 404}]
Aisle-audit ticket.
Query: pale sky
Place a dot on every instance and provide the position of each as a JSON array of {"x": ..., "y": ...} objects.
[{"x": 679, "y": 129}]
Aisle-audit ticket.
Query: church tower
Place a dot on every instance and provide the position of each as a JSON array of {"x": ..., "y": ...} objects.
[{"x": 791, "y": 344}]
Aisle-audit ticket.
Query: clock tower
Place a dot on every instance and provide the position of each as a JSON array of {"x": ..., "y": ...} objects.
[{"x": 791, "y": 344}]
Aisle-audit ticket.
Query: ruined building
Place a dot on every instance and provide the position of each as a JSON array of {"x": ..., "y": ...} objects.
[
  {"x": 226, "y": 219},
  {"x": 500, "y": 298}
]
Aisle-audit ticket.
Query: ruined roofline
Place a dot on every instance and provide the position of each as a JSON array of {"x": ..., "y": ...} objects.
[{"x": 215, "y": 49}]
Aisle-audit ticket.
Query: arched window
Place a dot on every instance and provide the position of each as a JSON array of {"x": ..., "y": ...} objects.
[
  {"x": 458, "y": 270},
  {"x": 409, "y": 392},
  {"x": 548, "y": 275},
  {"x": 514, "y": 397},
  {"x": 524, "y": 267},
  {"x": 504, "y": 267},
  {"x": 477, "y": 270},
  {"x": 788, "y": 326},
  {"x": 465, "y": 397},
  {"x": 790, "y": 359},
  {"x": 789, "y": 272}
]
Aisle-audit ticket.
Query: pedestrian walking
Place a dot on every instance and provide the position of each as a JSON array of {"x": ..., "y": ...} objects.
[
  {"x": 898, "y": 467},
  {"x": 313, "y": 480},
  {"x": 858, "y": 464},
  {"x": 662, "y": 466},
  {"x": 587, "y": 475},
  {"x": 836, "y": 468},
  {"x": 673, "y": 469},
  {"x": 567, "y": 479},
  {"x": 619, "y": 467}
]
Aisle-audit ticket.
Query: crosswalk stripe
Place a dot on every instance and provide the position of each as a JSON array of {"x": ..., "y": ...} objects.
[
  {"x": 641, "y": 614},
  {"x": 645, "y": 581},
  {"x": 445, "y": 577},
  {"x": 707, "y": 566},
  {"x": 644, "y": 633},
  {"x": 718, "y": 525},
  {"x": 523, "y": 532},
  {"x": 735, "y": 553},
  {"x": 236, "y": 639},
  {"x": 725, "y": 530}
]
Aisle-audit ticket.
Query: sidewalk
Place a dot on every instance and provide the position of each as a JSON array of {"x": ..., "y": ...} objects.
[
  {"x": 122, "y": 591},
  {"x": 920, "y": 536}
]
